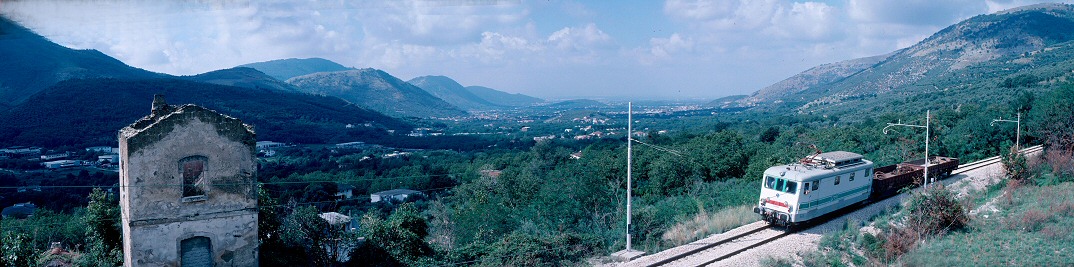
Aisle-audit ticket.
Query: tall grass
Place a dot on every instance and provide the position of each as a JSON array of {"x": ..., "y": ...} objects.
[{"x": 704, "y": 224}]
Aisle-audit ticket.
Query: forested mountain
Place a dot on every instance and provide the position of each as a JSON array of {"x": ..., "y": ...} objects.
[
  {"x": 53, "y": 96},
  {"x": 32, "y": 63},
  {"x": 242, "y": 77},
  {"x": 504, "y": 98},
  {"x": 377, "y": 90},
  {"x": 979, "y": 60},
  {"x": 82, "y": 112},
  {"x": 283, "y": 69},
  {"x": 452, "y": 92}
]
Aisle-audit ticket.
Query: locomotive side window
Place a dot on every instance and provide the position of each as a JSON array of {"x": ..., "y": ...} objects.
[
  {"x": 815, "y": 185},
  {"x": 837, "y": 180},
  {"x": 852, "y": 176},
  {"x": 792, "y": 187}
]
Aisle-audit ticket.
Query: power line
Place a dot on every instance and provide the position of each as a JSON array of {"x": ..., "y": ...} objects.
[
  {"x": 257, "y": 207},
  {"x": 234, "y": 184}
]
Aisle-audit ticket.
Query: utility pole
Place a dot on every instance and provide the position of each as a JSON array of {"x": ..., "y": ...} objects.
[
  {"x": 629, "y": 137},
  {"x": 629, "y": 253},
  {"x": 926, "y": 126},
  {"x": 1018, "y": 129}
]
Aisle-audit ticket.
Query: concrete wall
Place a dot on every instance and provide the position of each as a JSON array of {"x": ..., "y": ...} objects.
[{"x": 156, "y": 217}]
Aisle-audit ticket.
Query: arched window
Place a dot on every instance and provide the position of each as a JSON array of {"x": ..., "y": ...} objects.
[{"x": 191, "y": 169}]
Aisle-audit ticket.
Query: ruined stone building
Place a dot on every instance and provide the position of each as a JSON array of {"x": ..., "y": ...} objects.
[{"x": 187, "y": 189}]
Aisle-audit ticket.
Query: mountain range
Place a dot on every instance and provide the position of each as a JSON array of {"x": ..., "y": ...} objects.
[
  {"x": 32, "y": 63},
  {"x": 984, "y": 59},
  {"x": 376, "y": 90},
  {"x": 56, "y": 96},
  {"x": 472, "y": 97},
  {"x": 436, "y": 96},
  {"x": 283, "y": 69}
]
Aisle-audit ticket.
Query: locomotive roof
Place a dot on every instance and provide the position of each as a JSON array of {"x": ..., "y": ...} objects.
[
  {"x": 838, "y": 156},
  {"x": 800, "y": 172}
]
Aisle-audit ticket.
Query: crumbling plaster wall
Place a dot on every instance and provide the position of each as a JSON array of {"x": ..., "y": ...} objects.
[{"x": 155, "y": 216}]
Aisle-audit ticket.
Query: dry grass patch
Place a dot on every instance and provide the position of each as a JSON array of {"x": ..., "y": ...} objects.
[{"x": 704, "y": 224}]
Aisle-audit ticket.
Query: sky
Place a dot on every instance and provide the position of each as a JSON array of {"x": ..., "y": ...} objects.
[{"x": 640, "y": 50}]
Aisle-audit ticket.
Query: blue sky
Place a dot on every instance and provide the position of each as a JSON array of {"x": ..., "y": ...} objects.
[{"x": 673, "y": 49}]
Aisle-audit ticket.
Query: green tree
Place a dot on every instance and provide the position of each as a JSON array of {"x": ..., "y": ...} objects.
[
  {"x": 1052, "y": 118},
  {"x": 16, "y": 249},
  {"x": 104, "y": 237},
  {"x": 401, "y": 238},
  {"x": 304, "y": 229}
]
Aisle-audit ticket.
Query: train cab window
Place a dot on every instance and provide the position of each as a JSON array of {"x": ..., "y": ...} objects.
[
  {"x": 769, "y": 182},
  {"x": 816, "y": 185},
  {"x": 779, "y": 184},
  {"x": 836, "y": 180},
  {"x": 805, "y": 187},
  {"x": 792, "y": 187},
  {"x": 852, "y": 176}
]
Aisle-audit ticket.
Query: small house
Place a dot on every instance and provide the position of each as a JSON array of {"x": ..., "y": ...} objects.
[
  {"x": 397, "y": 195},
  {"x": 19, "y": 211}
]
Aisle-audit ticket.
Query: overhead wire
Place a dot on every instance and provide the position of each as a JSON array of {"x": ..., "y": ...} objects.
[{"x": 257, "y": 207}]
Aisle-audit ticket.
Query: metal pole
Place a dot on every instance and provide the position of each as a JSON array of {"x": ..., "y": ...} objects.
[
  {"x": 927, "y": 115},
  {"x": 1017, "y": 131},
  {"x": 630, "y": 128}
]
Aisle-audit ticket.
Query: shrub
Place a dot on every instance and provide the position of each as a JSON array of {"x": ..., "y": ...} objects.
[
  {"x": 935, "y": 211},
  {"x": 1014, "y": 165},
  {"x": 1033, "y": 220},
  {"x": 898, "y": 241}
]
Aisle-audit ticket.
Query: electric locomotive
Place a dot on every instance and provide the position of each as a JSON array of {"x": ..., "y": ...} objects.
[{"x": 816, "y": 185}]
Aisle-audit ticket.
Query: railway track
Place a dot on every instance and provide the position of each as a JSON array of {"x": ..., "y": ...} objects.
[
  {"x": 705, "y": 252},
  {"x": 993, "y": 160}
]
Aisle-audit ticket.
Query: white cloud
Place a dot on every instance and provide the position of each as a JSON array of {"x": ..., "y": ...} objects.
[
  {"x": 1001, "y": 5},
  {"x": 805, "y": 21},
  {"x": 914, "y": 12},
  {"x": 665, "y": 47}
]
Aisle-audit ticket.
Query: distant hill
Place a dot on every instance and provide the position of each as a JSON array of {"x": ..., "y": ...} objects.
[
  {"x": 577, "y": 104},
  {"x": 725, "y": 102},
  {"x": 984, "y": 59},
  {"x": 377, "y": 90},
  {"x": 502, "y": 98},
  {"x": 242, "y": 77},
  {"x": 816, "y": 76},
  {"x": 283, "y": 69},
  {"x": 89, "y": 111},
  {"x": 452, "y": 92},
  {"x": 32, "y": 63}
]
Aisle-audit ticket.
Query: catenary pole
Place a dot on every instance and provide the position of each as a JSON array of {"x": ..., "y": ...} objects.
[{"x": 630, "y": 128}]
